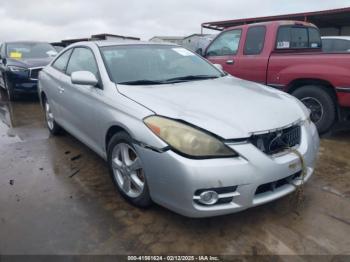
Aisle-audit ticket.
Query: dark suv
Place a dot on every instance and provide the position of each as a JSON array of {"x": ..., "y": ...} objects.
[{"x": 20, "y": 64}]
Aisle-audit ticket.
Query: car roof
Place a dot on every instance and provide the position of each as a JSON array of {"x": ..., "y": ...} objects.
[
  {"x": 104, "y": 43},
  {"x": 337, "y": 37},
  {"x": 278, "y": 22}
]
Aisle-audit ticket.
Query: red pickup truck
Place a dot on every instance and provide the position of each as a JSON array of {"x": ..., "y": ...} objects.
[{"x": 288, "y": 55}]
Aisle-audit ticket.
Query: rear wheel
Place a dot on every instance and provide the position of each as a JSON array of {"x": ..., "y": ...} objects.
[
  {"x": 127, "y": 171},
  {"x": 321, "y": 105},
  {"x": 53, "y": 127}
]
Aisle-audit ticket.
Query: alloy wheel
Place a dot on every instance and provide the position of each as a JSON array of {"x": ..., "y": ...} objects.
[
  {"x": 315, "y": 107},
  {"x": 49, "y": 116},
  {"x": 127, "y": 170}
]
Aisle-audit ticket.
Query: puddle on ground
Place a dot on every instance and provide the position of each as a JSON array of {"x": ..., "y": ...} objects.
[{"x": 21, "y": 121}]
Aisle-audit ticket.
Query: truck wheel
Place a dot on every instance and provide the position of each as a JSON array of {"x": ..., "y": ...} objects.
[
  {"x": 321, "y": 105},
  {"x": 127, "y": 170}
]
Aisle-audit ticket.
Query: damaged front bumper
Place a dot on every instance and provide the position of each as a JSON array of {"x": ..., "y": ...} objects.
[{"x": 254, "y": 177}]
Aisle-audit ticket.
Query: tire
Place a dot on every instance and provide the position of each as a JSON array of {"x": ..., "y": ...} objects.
[
  {"x": 321, "y": 104},
  {"x": 127, "y": 172},
  {"x": 3, "y": 92},
  {"x": 51, "y": 124},
  {"x": 10, "y": 92}
]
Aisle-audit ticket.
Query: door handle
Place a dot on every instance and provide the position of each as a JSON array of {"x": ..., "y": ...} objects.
[
  {"x": 230, "y": 62},
  {"x": 60, "y": 89}
]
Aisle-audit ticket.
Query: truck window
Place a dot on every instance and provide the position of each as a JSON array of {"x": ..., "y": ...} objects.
[
  {"x": 296, "y": 37},
  {"x": 299, "y": 38},
  {"x": 254, "y": 43},
  {"x": 314, "y": 38},
  {"x": 225, "y": 44}
]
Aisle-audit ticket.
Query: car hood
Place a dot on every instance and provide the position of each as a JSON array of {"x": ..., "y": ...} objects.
[
  {"x": 28, "y": 63},
  {"x": 228, "y": 107}
]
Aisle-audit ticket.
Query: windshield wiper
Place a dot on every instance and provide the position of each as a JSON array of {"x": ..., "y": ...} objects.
[
  {"x": 142, "y": 82},
  {"x": 167, "y": 81},
  {"x": 189, "y": 78}
]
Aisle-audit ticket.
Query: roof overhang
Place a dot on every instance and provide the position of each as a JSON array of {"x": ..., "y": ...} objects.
[{"x": 328, "y": 18}]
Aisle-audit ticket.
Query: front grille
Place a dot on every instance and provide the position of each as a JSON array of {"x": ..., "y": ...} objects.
[
  {"x": 34, "y": 73},
  {"x": 275, "y": 142},
  {"x": 270, "y": 187}
]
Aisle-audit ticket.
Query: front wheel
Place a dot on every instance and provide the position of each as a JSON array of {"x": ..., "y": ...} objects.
[
  {"x": 3, "y": 92},
  {"x": 321, "y": 105},
  {"x": 127, "y": 170},
  {"x": 10, "y": 92},
  {"x": 53, "y": 127}
]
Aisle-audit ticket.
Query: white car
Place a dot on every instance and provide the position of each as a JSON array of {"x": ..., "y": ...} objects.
[
  {"x": 177, "y": 130},
  {"x": 336, "y": 44}
]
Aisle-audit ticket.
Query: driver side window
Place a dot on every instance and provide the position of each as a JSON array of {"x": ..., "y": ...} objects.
[
  {"x": 226, "y": 44},
  {"x": 82, "y": 59}
]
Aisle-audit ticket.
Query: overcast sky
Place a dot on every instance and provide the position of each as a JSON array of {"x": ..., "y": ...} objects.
[{"x": 51, "y": 20}]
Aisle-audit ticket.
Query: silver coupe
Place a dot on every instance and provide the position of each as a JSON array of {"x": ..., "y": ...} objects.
[{"x": 176, "y": 130}]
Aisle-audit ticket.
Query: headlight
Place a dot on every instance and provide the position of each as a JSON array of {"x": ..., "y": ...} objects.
[
  {"x": 188, "y": 140},
  {"x": 307, "y": 120},
  {"x": 17, "y": 69}
]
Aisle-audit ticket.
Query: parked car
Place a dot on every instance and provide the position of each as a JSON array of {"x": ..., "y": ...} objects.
[
  {"x": 199, "y": 43},
  {"x": 336, "y": 44},
  {"x": 20, "y": 64},
  {"x": 287, "y": 55},
  {"x": 175, "y": 129}
]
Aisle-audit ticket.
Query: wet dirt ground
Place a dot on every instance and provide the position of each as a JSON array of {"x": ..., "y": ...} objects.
[{"x": 56, "y": 197}]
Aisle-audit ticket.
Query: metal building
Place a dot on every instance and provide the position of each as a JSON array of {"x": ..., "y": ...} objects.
[{"x": 331, "y": 22}]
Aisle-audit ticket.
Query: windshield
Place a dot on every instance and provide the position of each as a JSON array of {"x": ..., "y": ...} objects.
[
  {"x": 155, "y": 64},
  {"x": 30, "y": 50}
]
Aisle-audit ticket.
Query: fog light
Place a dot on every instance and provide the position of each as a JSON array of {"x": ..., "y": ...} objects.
[{"x": 208, "y": 197}]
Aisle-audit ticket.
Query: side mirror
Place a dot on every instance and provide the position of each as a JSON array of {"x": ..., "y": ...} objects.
[
  {"x": 84, "y": 78},
  {"x": 218, "y": 66}
]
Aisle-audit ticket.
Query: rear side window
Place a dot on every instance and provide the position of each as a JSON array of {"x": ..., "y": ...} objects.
[
  {"x": 225, "y": 44},
  {"x": 61, "y": 62},
  {"x": 342, "y": 45},
  {"x": 297, "y": 37},
  {"x": 255, "y": 40},
  {"x": 336, "y": 45}
]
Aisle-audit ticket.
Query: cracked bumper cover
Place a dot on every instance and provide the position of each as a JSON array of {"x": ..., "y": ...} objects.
[{"x": 173, "y": 179}]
